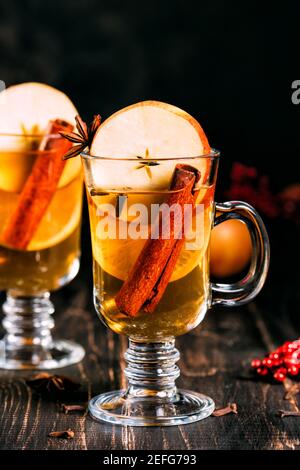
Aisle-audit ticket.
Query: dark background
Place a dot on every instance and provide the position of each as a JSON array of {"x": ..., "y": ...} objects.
[{"x": 230, "y": 64}]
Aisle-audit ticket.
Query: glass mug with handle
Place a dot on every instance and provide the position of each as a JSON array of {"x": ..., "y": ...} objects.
[{"x": 150, "y": 221}]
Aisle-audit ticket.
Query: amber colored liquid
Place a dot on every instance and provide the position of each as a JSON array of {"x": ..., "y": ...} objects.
[
  {"x": 186, "y": 298},
  {"x": 51, "y": 259}
]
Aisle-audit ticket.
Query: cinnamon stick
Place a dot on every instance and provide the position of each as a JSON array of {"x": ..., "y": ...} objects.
[
  {"x": 39, "y": 188},
  {"x": 153, "y": 269}
]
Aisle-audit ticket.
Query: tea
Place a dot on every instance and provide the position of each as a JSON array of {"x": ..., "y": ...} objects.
[
  {"x": 52, "y": 254},
  {"x": 185, "y": 299}
]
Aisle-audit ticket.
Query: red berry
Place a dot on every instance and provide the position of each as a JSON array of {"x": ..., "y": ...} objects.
[
  {"x": 255, "y": 363},
  {"x": 296, "y": 354},
  {"x": 274, "y": 355},
  {"x": 293, "y": 370},
  {"x": 281, "y": 362},
  {"x": 267, "y": 362},
  {"x": 279, "y": 376},
  {"x": 286, "y": 346},
  {"x": 290, "y": 361},
  {"x": 262, "y": 371}
]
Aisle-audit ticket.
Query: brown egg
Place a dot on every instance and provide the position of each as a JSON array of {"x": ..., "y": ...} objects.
[{"x": 231, "y": 248}]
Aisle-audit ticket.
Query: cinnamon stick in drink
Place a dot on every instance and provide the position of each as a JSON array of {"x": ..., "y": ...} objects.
[
  {"x": 39, "y": 188},
  {"x": 153, "y": 269}
]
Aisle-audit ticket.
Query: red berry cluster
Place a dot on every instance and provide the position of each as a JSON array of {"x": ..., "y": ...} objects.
[
  {"x": 248, "y": 185},
  {"x": 284, "y": 361}
]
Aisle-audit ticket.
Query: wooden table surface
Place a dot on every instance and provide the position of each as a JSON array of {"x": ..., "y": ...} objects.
[{"x": 214, "y": 360}]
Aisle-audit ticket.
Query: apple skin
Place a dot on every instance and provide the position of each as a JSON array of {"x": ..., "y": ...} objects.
[{"x": 230, "y": 248}]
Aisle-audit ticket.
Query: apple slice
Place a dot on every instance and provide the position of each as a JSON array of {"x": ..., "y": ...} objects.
[
  {"x": 33, "y": 104},
  {"x": 30, "y": 106},
  {"x": 149, "y": 129}
]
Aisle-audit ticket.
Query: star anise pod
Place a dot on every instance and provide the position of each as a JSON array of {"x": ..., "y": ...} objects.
[
  {"x": 83, "y": 138},
  {"x": 52, "y": 384}
]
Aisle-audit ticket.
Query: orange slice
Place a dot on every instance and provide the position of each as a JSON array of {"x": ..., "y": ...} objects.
[
  {"x": 57, "y": 225},
  {"x": 118, "y": 256}
]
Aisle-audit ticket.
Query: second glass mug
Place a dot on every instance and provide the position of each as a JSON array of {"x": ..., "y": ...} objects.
[
  {"x": 50, "y": 261},
  {"x": 152, "y": 397}
]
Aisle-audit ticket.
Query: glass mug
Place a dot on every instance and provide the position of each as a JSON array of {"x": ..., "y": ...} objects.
[
  {"x": 154, "y": 288},
  {"x": 50, "y": 259}
]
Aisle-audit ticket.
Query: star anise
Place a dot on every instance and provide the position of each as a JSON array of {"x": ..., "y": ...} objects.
[
  {"x": 83, "y": 138},
  {"x": 52, "y": 384}
]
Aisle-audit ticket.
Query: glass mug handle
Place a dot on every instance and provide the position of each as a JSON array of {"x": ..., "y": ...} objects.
[{"x": 246, "y": 289}]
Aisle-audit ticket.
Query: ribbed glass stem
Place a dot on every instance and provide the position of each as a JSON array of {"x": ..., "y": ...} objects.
[
  {"x": 28, "y": 342},
  {"x": 151, "y": 369},
  {"x": 27, "y": 323}
]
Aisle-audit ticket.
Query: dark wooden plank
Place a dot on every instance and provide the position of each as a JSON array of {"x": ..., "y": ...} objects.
[{"x": 214, "y": 360}]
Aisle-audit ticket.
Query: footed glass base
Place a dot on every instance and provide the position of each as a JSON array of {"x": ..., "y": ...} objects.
[
  {"x": 28, "y": 342},
  {"x": 152, "y": 398},
  {"x": 60, "y": 353},
  {"x": 186, "y": 407}
]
